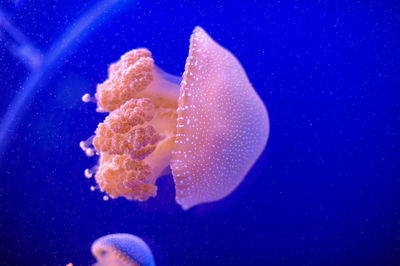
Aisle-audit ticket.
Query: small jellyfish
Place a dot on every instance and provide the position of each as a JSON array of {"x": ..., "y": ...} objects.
[
  {"x": 209, "y": 127},
  {"x": 122, "y": 249}
]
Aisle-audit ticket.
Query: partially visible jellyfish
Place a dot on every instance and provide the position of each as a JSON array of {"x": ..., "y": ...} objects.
[
  {"x": 210, "y": 127},
  {"x": 122, "y": 249}
]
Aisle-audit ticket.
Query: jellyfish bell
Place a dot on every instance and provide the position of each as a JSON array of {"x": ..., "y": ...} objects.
[
  {"x": 222, "y": 124},
  {"x": 122, "y": 249},
  {"x": 210, "y": 128}
]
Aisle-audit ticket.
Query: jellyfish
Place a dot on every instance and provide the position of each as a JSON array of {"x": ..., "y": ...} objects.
[
  {"x": 209, "y": 127},
  {"x": 122, "y": 249}
]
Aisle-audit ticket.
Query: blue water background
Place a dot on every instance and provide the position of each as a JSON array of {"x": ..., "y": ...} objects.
[{"x": 326, "y": 191}]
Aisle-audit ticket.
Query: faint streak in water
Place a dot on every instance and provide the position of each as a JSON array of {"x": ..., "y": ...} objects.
[
  {"x": 88, "y": 22},
  {"x": 18, "y": 44}
]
